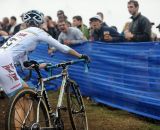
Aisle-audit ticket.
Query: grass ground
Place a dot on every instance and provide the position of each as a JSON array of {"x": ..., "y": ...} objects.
[
  {"x": 102, "y": 117},
  {"x": 106, "y": 118}
]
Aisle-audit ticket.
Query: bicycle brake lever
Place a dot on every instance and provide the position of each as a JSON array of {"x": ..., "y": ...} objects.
[{"x": 52, "y": 54}]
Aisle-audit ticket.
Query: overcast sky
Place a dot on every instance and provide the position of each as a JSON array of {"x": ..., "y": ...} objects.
[{"x": 115, "y": 11}]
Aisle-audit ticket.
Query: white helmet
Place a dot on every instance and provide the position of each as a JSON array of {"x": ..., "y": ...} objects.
[{"x": 33, "y": 17}]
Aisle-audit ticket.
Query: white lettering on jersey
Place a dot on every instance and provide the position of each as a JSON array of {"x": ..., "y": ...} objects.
[{"x": 16, "y": 39}]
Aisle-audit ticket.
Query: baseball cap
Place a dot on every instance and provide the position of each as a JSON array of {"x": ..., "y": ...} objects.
[{"x": 96, "y": 17}]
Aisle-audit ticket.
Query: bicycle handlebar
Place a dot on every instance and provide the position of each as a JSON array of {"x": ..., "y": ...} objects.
[
  {"x": 63, "y": 64},
  {"x": 35, "y": 64}
]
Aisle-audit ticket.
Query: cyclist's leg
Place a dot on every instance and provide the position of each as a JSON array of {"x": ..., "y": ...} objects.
[{"x": 9, "y": 79}]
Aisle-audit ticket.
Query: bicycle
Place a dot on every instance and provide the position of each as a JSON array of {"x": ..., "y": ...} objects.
[{"x": 38, "y": 113}]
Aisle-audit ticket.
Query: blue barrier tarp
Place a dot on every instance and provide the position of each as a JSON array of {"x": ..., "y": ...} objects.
[{"x": 122, "y": 75}]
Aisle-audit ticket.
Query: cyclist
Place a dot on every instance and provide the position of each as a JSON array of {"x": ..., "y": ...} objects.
[{"x": 25, "y": 41}]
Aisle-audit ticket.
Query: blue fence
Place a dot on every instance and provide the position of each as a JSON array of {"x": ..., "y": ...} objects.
[{"x": 122, "y": 75}]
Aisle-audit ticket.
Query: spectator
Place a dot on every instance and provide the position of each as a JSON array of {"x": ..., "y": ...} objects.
[
  {"x": 17, "y": 28},
  {"x": 61, "y": 16},
  {"x": 50, "y": 27},
  {"x": 140, "y": 28},
  {"x": 102, "y": 18},
  {"x": 125, "y": 28},
  {"x": 91, "y": 30},
  {"x": 68, "y": 24},
  {"x": 3, "y": 37},
  {"x": 158, "y": 27},
  {"x": 5, "y": 24},
  {"x": 2, "y": 33},
  {"x": 115, "y": 28},
  {"x": 103, "y": 33},
  {"x": 23, "y": 26},
  {"x": 20, "y": 26},
  {"x": 77, "y": 22},
  {"x": 12, "y": 25},
  {"x": 153, "y": 34},
  {"x": 69, "y": 35}
]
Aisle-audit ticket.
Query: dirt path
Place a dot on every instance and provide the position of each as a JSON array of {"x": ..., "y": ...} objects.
[
  {"x": 101, "y": 117},
  {"x": 3, "y": 104}
]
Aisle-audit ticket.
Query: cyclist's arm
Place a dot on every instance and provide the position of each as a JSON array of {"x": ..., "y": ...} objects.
[
  {"x": 74, "y": 53},
  {"x": 56, "y": 44}
]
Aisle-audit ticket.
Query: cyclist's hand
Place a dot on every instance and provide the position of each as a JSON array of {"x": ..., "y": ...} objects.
[
  {"x": 87, "y": 59},
  {"x": 30, "y": 64}
]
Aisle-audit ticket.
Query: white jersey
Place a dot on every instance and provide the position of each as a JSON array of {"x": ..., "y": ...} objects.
[{"x": 26, "y": 40}]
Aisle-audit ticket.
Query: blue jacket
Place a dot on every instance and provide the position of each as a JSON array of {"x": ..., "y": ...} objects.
[{"x": 98, "y": 35}]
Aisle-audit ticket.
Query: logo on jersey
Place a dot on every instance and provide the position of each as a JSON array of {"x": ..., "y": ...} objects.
[
  {"x": 21, "y": 34},
  {"x": 11, "y": 72}
]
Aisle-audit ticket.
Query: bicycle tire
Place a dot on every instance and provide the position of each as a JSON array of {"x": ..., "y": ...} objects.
[
  {"x": 28, "y": 96},
  {"x": 76, "y": 107}
]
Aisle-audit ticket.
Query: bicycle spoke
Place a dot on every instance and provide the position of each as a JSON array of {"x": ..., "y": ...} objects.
[
  {"x": 18, "y": 116},
  {"x": 24, "y": 112}
]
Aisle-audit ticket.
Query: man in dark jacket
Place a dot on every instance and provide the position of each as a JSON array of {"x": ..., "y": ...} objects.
[
  {"x": 103, "y": 33},
  {"x": 140, "y": 27}
]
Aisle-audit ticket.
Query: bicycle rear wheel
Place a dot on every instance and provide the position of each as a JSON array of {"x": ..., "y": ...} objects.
[
  {"x": 76, "y": 108},
  {"x": 22, "y": 112}
]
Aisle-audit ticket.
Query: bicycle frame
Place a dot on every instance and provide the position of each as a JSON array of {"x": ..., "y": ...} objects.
[
  {"x": 36, "y": 111},
  {"x": 64, "y": 76},
  {"x": 42, "y": 91}
]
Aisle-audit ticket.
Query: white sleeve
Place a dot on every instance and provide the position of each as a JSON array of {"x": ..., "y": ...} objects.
[{"x": 43, "y": 36}]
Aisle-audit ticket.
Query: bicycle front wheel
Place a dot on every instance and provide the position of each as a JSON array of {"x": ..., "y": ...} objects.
[
  {"x": 22, "y": 112},
  {"x": 76, "y": 107}
]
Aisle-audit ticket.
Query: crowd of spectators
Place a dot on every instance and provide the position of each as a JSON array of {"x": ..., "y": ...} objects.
[{"x": 75, "y": 31}]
